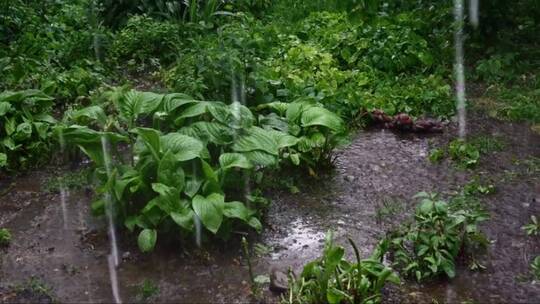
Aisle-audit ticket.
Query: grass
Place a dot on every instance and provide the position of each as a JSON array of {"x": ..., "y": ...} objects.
[
  {"x": 5, "y": 237},
  {"x": 147, "y": 290},
  {"x": 388, "y": 209},
  {"x": 70, "y": 180}
]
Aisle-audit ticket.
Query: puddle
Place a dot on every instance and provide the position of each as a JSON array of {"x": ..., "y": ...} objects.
[{"x": 378, "y": 166}]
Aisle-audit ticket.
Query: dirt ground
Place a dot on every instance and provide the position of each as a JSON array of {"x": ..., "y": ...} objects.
[{"x": 47, "y": 260}]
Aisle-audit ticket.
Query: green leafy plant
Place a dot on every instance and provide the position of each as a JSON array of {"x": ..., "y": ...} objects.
[
  {"x": 533, "y": 227},
  {"x": 318, "y": 130},
  {"x": 430, "y": 246},
  {"x": 5, "y": 237},
  {"x": 172, "y": 179},
  {"x": 436, "y": 155},
  {"x": 466, "y": 154},
  {"x": 332, "y": 279},
  {"x": 27, "y": 127}
]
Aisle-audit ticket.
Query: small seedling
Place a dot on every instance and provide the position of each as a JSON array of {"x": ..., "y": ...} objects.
[
  {"x": 148, "y": 289},
  {"x": 436, "y": 155},
  {"x": 474, "y": 187},
  {"x": 5, "y": 237},
  {"x": 535, "y": 268},
  {"x": 533, "y": 227}
]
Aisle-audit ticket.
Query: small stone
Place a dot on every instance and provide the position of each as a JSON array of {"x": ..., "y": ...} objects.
[
  {"x": 126, "y": 255},
  {"x": 278, "y": 281},
  {"x": 349, "y": 178}
]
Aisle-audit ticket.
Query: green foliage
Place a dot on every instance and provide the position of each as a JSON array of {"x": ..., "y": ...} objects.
[
  {"x": 181, "y": 169},
  {"x": 5, "y": 237},
  {"x": 517, "y": 102},
  {"x": 147, "y": 290},
  {"x": 26, "y": 131},
  {"x": 333, "y": 279},
  {"x": 533, "y": 227},
  {"x": 116, "y": 12},
  {"x": 144, "y": 39},
  {"x": 465, "y": 154},
  {"x": 440, "y": 233},
  {"x": 51, "y": 46},
  {"x": 436, "y": 155},
  {"x": 69, "y": 180},
  {"x": 535, "y": 268}
]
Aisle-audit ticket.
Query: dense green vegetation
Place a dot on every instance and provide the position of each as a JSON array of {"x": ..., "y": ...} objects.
[{"x": 178, "y": 104}]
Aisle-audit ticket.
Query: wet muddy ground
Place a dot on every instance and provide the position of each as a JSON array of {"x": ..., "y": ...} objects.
[{"x": 378, "y": 169}]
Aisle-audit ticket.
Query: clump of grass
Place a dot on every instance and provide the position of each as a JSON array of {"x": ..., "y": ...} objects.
[
  {"x": 389, "y": 208},
  {"x": 70, "y": 180},
  {"x": 5, "y": 237}
]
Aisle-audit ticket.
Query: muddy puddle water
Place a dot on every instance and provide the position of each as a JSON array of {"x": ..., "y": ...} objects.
[{"x": 379, "y": 171}]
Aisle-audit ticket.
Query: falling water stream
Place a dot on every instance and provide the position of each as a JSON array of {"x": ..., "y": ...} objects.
[
  {"x": 63, "y": 191},
  {"x": 112, "y": 258},
  {"x": 459, "y": 69}
]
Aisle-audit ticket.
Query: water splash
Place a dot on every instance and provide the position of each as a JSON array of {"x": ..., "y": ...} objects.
[
  {"x": 112, "y": 259},
  {"x": 459, "y": 69}
]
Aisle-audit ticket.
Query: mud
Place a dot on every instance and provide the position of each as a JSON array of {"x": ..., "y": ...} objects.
[{"x": 379, "y": 167}]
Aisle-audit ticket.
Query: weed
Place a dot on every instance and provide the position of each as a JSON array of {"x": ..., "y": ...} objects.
[
  {"x": 533, "y": 227},
  {"x": 5, "y": 237},
  {"x": 147, "y": 289},
  {"x": 70, "y": 180},
  {"x": 465, "y": 154},
  {"x": 535, "y": 268},
  {"x": 436, "y": 155}
]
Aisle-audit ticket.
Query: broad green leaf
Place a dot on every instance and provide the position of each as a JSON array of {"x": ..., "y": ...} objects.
[
  {"x": 255, "y": 223},
  {"x": 151, "y": 139},
  {"x": 257, "y": 139},
  {"x": 234, "y": 160},
  {"x": 209, "y": 210},
  {"x": 173, "y": 101},
  {"x": 134, "y": 103},
  {"x": 213, "y": 132},
  {"x": 196, "y": 109},
  {"x": 317, "y": 116},
  {"x": 147, "y": 240},
  {"x": 236, "y": 210},
  {"x": 23, "y": 131},
  {"x": 5, "y": 107},
  {"x": 170, "y": 172},
  {"x": 283, "y": 140},
  {"x": 11, "y": 126},
  {"x": 182, "y": 146},
  {"x": 261, "y": 158},
  {"x": 44, "y": 117},
  {"x": 90, "y": 114},
  {"x": 184, "y": 219},
  {"x": 3, "y": 160},
  {"x": 42, "y": 129}
]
